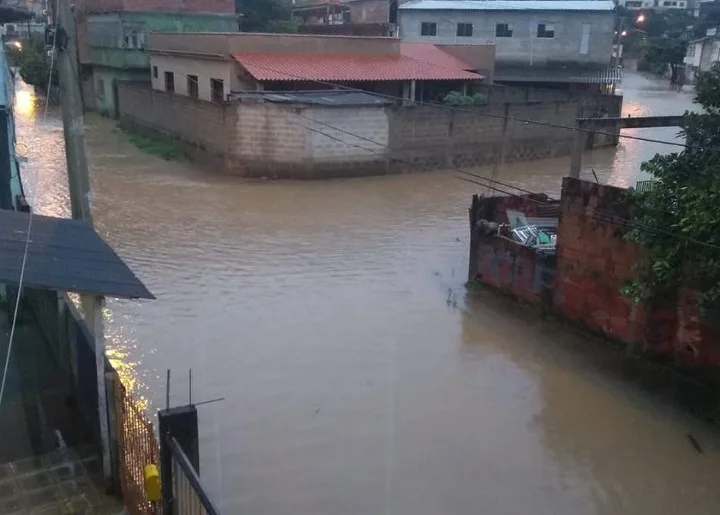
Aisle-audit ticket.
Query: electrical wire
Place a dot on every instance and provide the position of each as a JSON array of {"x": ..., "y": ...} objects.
[
  {"x": 595, "y": 213},
  {"x": 13, "y": 327},
  {"x": 479, "y": 113}
]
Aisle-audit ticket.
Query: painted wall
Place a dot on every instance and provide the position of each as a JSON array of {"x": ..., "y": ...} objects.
[
  {"x": 524, "y": 47},
  {"x": 204, "y": 69}
]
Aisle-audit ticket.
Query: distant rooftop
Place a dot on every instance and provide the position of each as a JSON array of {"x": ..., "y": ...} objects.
[
  {"x": 416, "y": 61},
  {"x": 324, "y": 98},
  {"x": 508, "y": 5}
]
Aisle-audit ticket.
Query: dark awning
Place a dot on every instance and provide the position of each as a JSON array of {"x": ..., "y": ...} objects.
[{"x": 64, "y": 255}]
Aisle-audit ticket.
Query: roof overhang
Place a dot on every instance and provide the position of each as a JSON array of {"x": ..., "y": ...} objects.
[{"x": 63, "y": 255}]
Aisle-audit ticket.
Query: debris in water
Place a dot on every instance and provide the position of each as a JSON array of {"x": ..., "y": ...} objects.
[{"x": 694, "y": 443}]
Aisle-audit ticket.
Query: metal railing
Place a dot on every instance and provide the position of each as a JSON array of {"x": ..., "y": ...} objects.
[
  {"x": 188, "y": 495},
  {"x": 644, "y": 186}
]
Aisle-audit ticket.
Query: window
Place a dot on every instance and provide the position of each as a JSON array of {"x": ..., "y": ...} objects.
[
  {"x": 585, "y": 39},
  {"x": 464, "y": 30},
  {"x": 503, "y": 30},
  {"x": 101, "y": 89},
  {"x": 217, "y": 90},
  {"x": 546, "y": 30},
  {"x": 192, "y": 86},
  {"x": 170, "y": 82},
  {"x": 428, "y": 28},
  {"x": 155, "y": 72}
]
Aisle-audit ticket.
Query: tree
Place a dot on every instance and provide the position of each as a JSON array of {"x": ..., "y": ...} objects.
[
  {"x": 266, "y": 16},
  {"x": 678, "y": 220},
  {"x": 34, "y": 64}
]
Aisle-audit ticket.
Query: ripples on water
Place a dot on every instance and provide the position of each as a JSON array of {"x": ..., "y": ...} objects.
[{"x": 332, "y": 316}]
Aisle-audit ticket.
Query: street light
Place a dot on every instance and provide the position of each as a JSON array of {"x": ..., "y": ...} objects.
[
  {"x": 640, "y": 18},
  {"x": 623, "y": 33}
]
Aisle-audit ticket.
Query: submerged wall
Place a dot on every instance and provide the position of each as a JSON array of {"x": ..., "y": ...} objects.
[
  {"x": 583, "y": 282},
  {"x": 264, "y": 139}
]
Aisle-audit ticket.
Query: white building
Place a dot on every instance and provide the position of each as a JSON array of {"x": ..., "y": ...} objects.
[
  {"x": 550, "y": 41},
  {"x": 701, "y": 54}
]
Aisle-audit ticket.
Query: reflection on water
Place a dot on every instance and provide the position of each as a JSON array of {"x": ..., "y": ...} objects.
[
  {"x": 24, "y": 102},
  {"x": 332, "y": 317}
]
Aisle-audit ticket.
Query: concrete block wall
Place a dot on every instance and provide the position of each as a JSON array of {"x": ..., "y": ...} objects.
[
  {"x": 203, "y": 127},
  {"x": 431, "y": 138}
]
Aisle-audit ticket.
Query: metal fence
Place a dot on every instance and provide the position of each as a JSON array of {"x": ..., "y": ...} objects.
[
  {"x": 644, "y": 186},
  {"x": 133, "y": 436},
  {"x": 188, "y": 494}
]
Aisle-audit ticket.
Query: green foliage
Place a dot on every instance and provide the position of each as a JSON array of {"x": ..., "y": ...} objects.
[
  {"x": 266, "y": 16},
  {"x": 162, "y": 148},
  {"x": 34, "y": 64},
  {"x": 684, "y": 201},
  {"x": 456, "y": 98},
  {"x": 660, "y": 40}
]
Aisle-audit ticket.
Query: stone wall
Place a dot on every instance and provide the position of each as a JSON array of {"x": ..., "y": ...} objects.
[{"x": 593, "y": 262}]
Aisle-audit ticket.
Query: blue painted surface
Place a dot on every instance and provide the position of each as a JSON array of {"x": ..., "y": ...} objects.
[{"x": 7, "y": 100}]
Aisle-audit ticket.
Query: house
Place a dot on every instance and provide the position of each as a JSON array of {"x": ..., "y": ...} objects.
[
  {"x": 558, "y": 43},
  {"x": 348, "y": 17},
  {"x": 213, "y": 66},
  {"x": 701, "y": 54},
  {"x": 112, "y": 38}
]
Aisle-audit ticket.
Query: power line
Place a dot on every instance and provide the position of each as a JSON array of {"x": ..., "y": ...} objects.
[
  {"x": 478, "y": 113},
  {"x": 11, "y": 339},
  {"x": 387, "y": 147},
  {"x": 595, "y": 213}
]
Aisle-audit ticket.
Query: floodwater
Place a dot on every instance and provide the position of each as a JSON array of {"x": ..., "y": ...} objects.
[{"x": 358, "y": 379}]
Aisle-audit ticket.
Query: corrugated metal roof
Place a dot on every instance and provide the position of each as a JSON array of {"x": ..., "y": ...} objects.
[
  {"x": 349, "y": 67},
  {"x": 508, "y": 5},
  {"x": 578, "y": 75},
  {"x": 325, "y": 98},
  {"x": 63, "y": 255}
]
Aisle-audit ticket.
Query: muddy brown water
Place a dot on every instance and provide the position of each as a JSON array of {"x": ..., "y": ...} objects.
[{"x": 358, "y": 378}]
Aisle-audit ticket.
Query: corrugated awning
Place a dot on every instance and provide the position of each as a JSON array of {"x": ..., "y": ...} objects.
[{"x": 63, "y": 255}]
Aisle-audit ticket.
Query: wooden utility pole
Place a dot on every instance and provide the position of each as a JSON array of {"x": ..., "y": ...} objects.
[{"x": 79, "y": 184}]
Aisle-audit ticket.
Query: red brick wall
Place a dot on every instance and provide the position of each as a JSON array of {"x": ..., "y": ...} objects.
[
  {"x": 513, "y": 268},
  {"x": 594, "y": 260}
]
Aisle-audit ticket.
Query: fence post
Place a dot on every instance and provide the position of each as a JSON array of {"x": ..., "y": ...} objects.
[
  {"x": 180, "y": 423},
  {"x": 111, "y": 379}
]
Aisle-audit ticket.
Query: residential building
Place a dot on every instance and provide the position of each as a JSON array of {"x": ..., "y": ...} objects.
[
  {"x": 637, "y": 4},
  {"x": 112, "y": 36},
  {"x": 701, "y": 54},
  {"x": 348, "y": 17},
  {"x": 655, "y": 4},
  {"x": 212, "y": 66},
  {"x": 561, "y": 43}
]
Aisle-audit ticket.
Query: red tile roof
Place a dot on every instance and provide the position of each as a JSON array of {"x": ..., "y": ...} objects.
[
  {"x": 428, "y": 52},
  {"x": 419, "y": 61}
]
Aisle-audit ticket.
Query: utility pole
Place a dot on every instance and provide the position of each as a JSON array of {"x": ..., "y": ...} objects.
[{"x": 79, "y": 184}]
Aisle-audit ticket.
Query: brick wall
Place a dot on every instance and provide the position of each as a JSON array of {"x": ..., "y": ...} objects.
[
  {"x": 431, "y": 138},
  {"x": 593, "y": 262},
  {"x": 203, "y": 127}
]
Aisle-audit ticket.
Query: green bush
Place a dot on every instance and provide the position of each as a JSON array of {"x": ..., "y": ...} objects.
[{"x": 457, "y": 98}]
